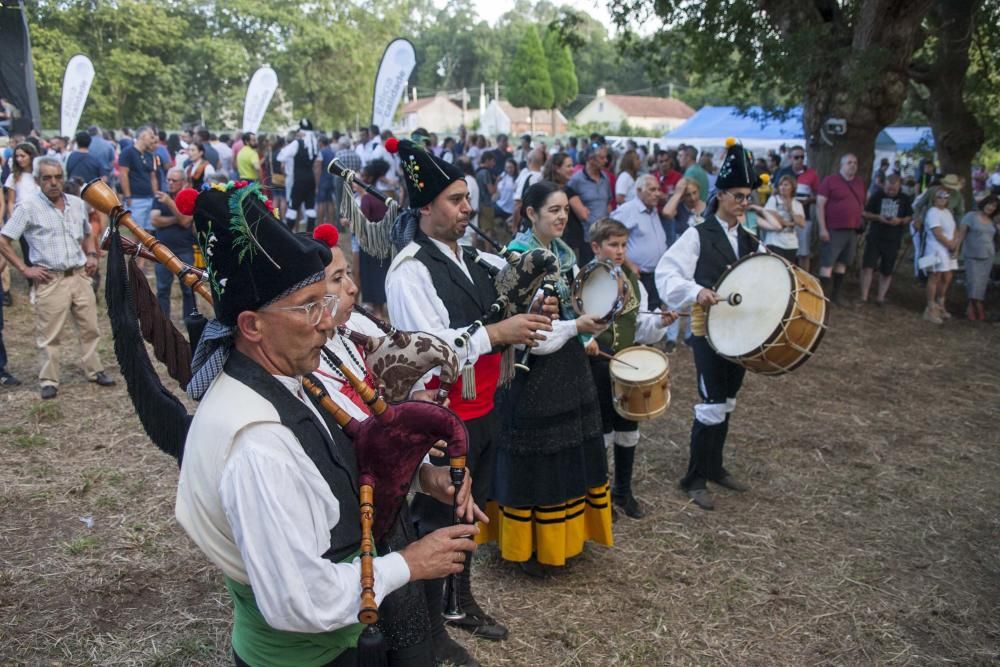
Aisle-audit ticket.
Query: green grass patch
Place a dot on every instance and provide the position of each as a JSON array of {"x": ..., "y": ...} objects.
[
  {"x": 46, "y": 412},
  {"x": 81, "y": 545},
  {"x": 30, "y": 441}
]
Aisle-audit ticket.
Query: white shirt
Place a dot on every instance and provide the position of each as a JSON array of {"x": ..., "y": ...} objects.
[
  {"x": 414, "y": 304},
  {"x": 470, "y": 235},
  {"x": 625, "y": 185},
  {"x": 24, "y": 188},
  {"x": 785, "y": 238},
  {"x": 675, "y": 271},
  {"x": 647, "y": 241},
  {"x": 522, "y": 178},
  {"x": 225, "y": 156}
]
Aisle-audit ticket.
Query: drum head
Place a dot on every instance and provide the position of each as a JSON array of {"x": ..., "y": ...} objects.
[
  {"x": 649, "y": 364},
  {"x": 598, "y": 291},
  {"x": 765, "y": 283}
]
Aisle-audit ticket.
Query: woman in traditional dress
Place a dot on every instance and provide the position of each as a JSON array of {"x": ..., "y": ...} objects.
[{"x": 551, "y": 479}]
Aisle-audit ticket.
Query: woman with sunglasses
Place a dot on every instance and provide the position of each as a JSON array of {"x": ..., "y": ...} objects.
[{"x": 939, "y": 257}]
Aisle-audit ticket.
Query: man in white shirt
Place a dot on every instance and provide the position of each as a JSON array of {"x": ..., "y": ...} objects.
[
  {"x": 525, "y": 179},
  {"x": 268, "y": 485},
  {"x": 647, "y": 240}
]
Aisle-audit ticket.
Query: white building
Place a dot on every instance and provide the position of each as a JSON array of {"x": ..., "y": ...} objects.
[
  {"x": 500, "y": 117},
  {"x": 435, "y": 114},
  {"x": 652, "y": 113}
]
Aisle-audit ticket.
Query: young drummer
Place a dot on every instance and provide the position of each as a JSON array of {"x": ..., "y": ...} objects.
[{"x": 608, "y": 239}]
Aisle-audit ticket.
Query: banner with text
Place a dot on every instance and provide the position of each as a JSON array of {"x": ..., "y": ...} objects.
[
  {"x": 398, "y": 62},
  {"x": 76, "y": 86},
  {"x": 263, "y": 83}
]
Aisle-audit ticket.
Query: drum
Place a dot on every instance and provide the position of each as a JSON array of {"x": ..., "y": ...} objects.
[
  {"x": 777, "y": 323},
  {"x": 640, "y": 383},
  {"x": 600, "y": 289}
]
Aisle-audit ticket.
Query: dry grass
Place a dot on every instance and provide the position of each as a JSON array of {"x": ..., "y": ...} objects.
[{"x": 870, "y": 537}]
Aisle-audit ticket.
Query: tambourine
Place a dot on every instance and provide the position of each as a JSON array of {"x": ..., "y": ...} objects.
[{"x": 600, "y": 289}]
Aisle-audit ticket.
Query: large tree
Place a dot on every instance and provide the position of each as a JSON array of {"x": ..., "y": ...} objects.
[
  {"x": 843, "y": 60},
  {"x": 561, "y": 72},
  {"x": 528, "y": 83}
]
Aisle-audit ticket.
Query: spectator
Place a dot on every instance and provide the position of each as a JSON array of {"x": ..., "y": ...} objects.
[
  {"x": 522, "y": 151},
  {"x": 781, "y": 239},
  {"x": 371, "y": 271},
  {"x": 666, "y": 173},
  {"x": 80, "y": 163},
  {"x": 137, "y": 166},
  {"x": 163, "y": 159},
  {"x": 102, "y": 149},
  {"x": 571, "y": 149},
  {"x": 806, "y": 187},
  {"x": 939, "y": 256},
  {"x": 221, "y": 146},
  {"x": 684, "y": 208},
  {"x": 63, "y": 256},
  {"x": 325, "y": 212},
  {"x": 976, "y": 237},
  {"x": 448, "y": 151},
  {"x": 594, "y": 189},
  {"x": 7, "y": 379},
  {"x": 688, "y": 158},
  {"x": 486, "y": 183},
  {"x": 20, "y": 184},
  {"x": 530, "y": 174},
  {"x": 505, "y": 193},
  {"x": 199, "y": 169},
  {"x": 501, "y": 153},
  {"x": 889, "y": 212},
  {"x": 879, "y": 176},
  {"x": 838, "y": 209},
  {"x": 625, "y": 185},
  {"x": 204, "y": 137},
  {"x": 174, "y": 230},
  {"x": 647, "y": 239},
  {"x": 559, "y": 170},
  {"x": 993, "y": 183},
  {"x": 176, "y": 150},
  {"x": 348, "y": 158},
  {"x": 926, "y": 175},
  {"x": 705, "y": 162},
  {"x": 248, "y": 160},
  {"x": 276, "y": 181},
  {"x": 475, "y": 148},
  {"x": 57, "y": 148},
  {"x": 923, "y": 203}
]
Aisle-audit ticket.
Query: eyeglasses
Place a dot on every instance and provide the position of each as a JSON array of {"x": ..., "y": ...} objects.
[
  {"x": 738, "y": 197},
  {"x": 315, "y": 309},
  {"x": 942, "y": 195},
  {"x": 174, "y": 180}
]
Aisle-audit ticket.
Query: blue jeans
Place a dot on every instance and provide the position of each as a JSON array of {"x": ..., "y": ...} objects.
[
  {"x": 141, "y": 209},
  {"x": 165, "y": 281}
]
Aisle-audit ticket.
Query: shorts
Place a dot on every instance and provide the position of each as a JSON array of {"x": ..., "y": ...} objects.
[
  {"x": 324, "y": 193},
  {"x": 142, "y": 209},
  {"x": 804, "y": 235},
  {"x": 840, "y": 249},
  {"x": 303, "y": 194},
  {"x": 880, "y": 252}
]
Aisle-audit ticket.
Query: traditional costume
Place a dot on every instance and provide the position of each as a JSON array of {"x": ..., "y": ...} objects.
[
  {"x": 634, "y": 326},
  {"x": 301, "y": 153},
  {"x": 430, "y": 288},
  {"x": 551, "y": 482},
  {"x": 696, "y": 261},
  {"x": 268, "y": 488}
]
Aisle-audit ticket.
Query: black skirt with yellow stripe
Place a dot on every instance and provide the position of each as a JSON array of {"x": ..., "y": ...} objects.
[{"x": 550, "y": 486}]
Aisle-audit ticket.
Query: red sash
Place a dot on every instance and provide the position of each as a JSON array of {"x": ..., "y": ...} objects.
[{"x": 487, "y": 376}]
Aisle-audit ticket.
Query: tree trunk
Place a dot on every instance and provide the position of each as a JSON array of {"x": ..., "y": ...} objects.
[
  {"x": 531, "y": 120},
  {"x": 554, "y": 129},
  {"x": 867, "y": 96},
  {"x": 958, "y": 136}
]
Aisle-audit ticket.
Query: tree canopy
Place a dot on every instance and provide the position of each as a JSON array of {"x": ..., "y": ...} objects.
[{"x": 528, "y": 83}]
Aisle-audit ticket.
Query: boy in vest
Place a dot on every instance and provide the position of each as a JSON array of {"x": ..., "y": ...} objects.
[
  {"x": 685, "y": 276},
  {"x": 634, "y": 326}
]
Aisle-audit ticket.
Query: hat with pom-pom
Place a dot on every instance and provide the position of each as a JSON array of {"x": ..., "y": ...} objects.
[
  {"x": 737, "y": 168},
  {"x": 252, "y": 258},
  {"x": 426, "y": 175},
  {"x": 327, "y": 234}
]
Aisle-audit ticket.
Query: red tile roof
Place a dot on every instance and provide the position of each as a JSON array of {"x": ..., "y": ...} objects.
[{"x": 651, "y": 107}]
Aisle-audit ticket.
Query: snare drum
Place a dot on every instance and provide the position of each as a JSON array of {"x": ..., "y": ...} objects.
[
  {"x": 779, "y": 321},
  {"x": 640, "y": 387},
  {"x": 600, "y": 289}
]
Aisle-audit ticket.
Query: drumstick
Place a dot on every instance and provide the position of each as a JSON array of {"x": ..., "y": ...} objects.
[
  {"x": 610, "y": 357},
  {"x": 655, "y": 312}
]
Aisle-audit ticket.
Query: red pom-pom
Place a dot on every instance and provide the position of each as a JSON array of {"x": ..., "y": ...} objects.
[
  {"x": 185, "y": 200},
  {"x": 241, "y": 184},
  {"x": 327, "y": 233},
  {"x": 392, "y": 145}
]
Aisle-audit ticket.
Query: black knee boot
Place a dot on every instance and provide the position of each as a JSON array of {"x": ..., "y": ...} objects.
[
  {"x": 476, "y": 621},
  {"x": 621, "y": 492},
  {"x": 310, "y": 224}
]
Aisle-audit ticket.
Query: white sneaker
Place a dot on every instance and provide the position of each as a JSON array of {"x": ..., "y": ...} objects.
[{"x": 931, "y": 316}]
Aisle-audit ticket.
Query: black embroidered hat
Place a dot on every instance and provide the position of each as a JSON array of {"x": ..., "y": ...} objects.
[
  {"x": 252, "y": 259},
  {"x": 737, "y": 169},
  {"x": 427, "y": 176}
]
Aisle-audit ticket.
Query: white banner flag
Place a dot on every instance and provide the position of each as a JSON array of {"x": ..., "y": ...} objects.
[
  {"x": 394, "y": 71},
  {"x": 263, "y": 83},
  {"x": 76, "y": 85}
]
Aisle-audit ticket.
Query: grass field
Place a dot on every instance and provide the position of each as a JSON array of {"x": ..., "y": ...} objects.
[{"x": 871, "y": 536}]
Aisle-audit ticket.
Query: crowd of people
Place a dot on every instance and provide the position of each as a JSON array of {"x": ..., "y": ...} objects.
[{"x": 266, "y": 507}]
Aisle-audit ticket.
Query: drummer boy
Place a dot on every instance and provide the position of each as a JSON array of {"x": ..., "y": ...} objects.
[{"x": 634, "y": 326}]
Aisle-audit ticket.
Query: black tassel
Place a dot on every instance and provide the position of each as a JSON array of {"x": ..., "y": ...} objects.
[
  {"x": 163, "y": 416},
  {"x": 195, "y": 323},
  {"x": 169, "y": 345},
  {"x": 372, "y": 649}
]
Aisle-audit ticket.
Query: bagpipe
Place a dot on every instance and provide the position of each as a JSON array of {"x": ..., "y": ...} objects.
[{"x": 388, "y": 448}]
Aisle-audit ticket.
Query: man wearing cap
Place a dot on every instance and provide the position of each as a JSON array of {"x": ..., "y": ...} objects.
[
  {"x": 685, "y": 276},
  {"x": 268, "y": 486},
  {"x": 435, "y": 285}
]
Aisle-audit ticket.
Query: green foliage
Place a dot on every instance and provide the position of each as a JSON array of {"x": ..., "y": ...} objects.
[
  {"x": 528, "y": 84},
  {"x": 561, "y": 70}
]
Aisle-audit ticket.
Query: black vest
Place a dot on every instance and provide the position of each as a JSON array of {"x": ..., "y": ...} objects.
[
  {"x": 716, "y": 253},
  {"x": 466, "y": 302},
  {"x": 302, "y": 163},
  {"x": 333, "y": 457}
]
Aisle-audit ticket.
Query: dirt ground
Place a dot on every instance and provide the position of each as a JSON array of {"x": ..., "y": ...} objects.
[{"x": 871, "y": 535}]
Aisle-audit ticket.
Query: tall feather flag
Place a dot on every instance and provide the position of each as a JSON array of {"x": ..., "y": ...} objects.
[
  {"x": 261, "y": 88},
  {"x": 77, "y": 79}
]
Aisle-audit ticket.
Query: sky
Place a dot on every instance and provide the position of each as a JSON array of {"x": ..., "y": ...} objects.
[{"x": 491, "y": 10}]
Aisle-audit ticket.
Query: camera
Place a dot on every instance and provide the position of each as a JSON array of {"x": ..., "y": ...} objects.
[{"x": 835, "y": 126}]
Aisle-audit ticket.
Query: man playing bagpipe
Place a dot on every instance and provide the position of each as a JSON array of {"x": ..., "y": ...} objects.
[{"x": 634, "y": 326}]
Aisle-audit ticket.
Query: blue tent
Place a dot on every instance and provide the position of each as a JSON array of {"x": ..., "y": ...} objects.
[
  {"x": 710, "y": 126},
  {"x": 904, "y": 138}
]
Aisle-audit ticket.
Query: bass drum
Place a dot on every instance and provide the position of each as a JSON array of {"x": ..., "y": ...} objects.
[{"x": 779, "y": 321}]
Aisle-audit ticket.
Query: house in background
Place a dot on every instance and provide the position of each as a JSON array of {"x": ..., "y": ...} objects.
[
  {"x": 434, "y": 114},
  {"x": 500, "y": 117},
  {"x": 652, "y": 113}
]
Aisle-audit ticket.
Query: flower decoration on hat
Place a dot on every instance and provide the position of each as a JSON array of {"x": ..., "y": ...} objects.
[
  {"x": 426, "y": 175},
  {"x": 737, "y": 168}
]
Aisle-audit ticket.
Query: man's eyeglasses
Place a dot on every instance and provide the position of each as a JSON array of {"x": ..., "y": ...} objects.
[
  {"x": 315, "y": 309},
  {"x": 174, "y": 180},
  {"x": 738, "y": 197}
]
